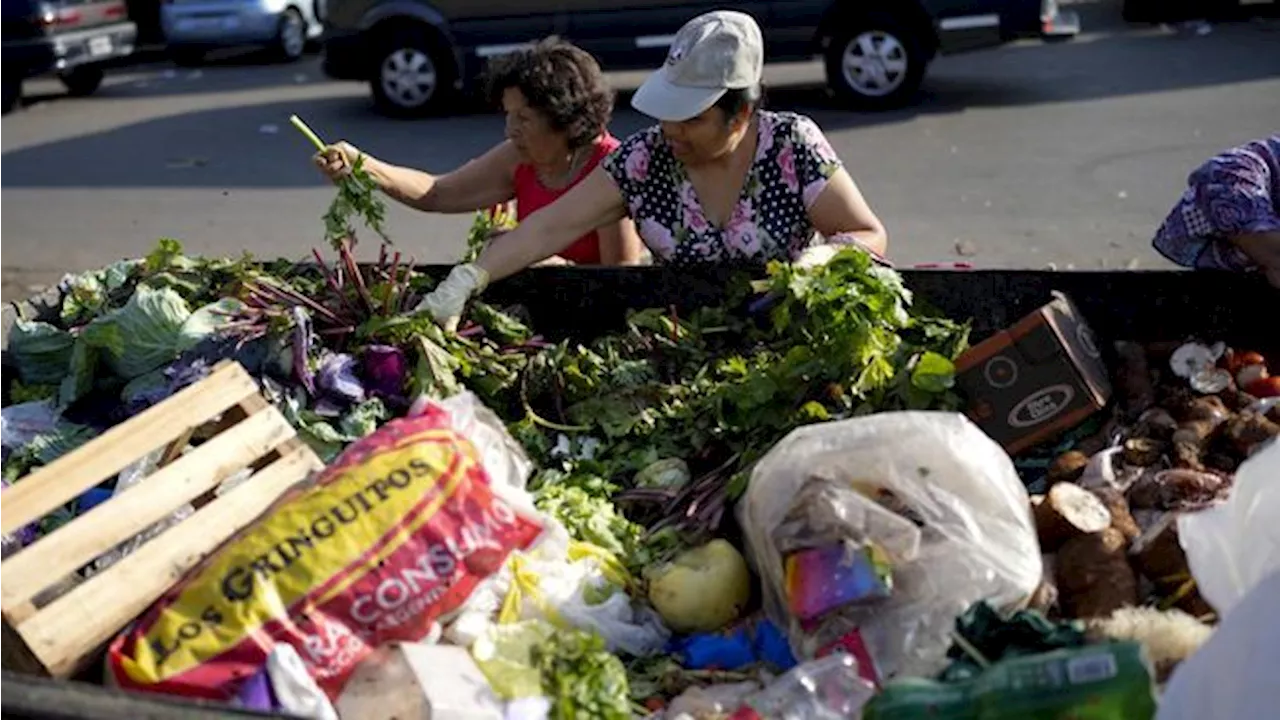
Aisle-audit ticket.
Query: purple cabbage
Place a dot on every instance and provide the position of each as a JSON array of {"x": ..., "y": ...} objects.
[
  {"x": 385, "y": 370},
  {"x": 337, "y": 378}
]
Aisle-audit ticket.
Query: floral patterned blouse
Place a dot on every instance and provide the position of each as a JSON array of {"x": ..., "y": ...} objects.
[
  {"x": 793, "y": 164},
  {"x": 1236, "y": 192}
]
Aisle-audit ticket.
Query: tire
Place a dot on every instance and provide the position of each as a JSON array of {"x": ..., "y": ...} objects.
[
  {"x": 12, "y": 94},
  {"x": 413, "y": 73},
  {"x": 876, "y": 62},
  {"x": 82, "y": 81},
  {"x": 187, "y": 57},
  {"x": 291, "y": 36}
]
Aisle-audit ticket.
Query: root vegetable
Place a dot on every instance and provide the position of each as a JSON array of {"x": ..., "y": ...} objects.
[
  {"x": 1118, "y": 506},
  {"x": 1045, "y": 597},
  {"x": 1066, "y": 512},
  {"x": 1207, "y": 407},
  {"x": 703, "y": 589},
  {"x": 1068, "y": 467},
  {"x": 1143, "y": 452},
  {"x": 1156, "y": 424},
  {"x": 1094, "y": 577},
  {"x": 1246, "y": 430},
  {"x": 1221, "y": 462},
  {"x": 1237, "y": 400},
  {"x": 1158, "y": 555},
  {"x": 1176, "y": 489},
  {"x": 1189, "y": 443}
]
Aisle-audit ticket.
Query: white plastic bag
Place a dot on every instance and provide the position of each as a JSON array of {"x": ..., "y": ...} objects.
[
  {"x": 937, "y": 471},
  {"x": 296, "y": 691},
  {"x": 503, "y": 458},
  {"x": 1230, "y": 547},
  {"x": 557, "y": 581},
  {"x": 1233, "y": 675},
  {"x": 562, "y": 583}
]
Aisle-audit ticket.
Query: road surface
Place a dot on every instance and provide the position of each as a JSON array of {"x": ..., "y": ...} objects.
[{"x": 1023, "y": 156}]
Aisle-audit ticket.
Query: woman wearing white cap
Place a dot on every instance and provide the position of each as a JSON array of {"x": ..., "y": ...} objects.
[{"x": 718, "y": 179}]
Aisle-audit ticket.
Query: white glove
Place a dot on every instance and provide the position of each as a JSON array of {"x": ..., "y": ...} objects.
[
  {"x": 817, "y": 255},
  {"x": 447, "y": 301}
]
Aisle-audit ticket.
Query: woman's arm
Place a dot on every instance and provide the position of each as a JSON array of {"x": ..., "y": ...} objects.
[
  {"x": 620, "y": 243},
  {"x": 480, "y": 183},
  {"x": 841, "y": 210},
  {"x": 1263, "y": 248},
  {"x": 592, "y": 203}
]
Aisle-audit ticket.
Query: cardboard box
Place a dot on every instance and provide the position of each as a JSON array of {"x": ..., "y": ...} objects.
[{"x": 1036, "y": 379}]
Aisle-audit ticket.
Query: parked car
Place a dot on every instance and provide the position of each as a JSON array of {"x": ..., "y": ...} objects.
[
  {"x": 73, "y": 38},
  {"x": 192, "y": 28},
  {"x": 416, "y": 53}
]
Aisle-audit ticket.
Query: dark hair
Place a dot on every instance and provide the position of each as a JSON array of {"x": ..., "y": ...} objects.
[
  {"x": 560, "y": 80},
  {"x": 734, "y": 101}
]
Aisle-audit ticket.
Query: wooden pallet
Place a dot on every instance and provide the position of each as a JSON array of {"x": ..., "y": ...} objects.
[{"x": 56, "y": 626}]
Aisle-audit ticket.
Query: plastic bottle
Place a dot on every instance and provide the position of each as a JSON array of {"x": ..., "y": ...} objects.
[{"x": 828, "y": 688}]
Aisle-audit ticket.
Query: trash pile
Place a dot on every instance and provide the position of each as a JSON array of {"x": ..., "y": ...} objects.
[{"x": 770, "y": 508}]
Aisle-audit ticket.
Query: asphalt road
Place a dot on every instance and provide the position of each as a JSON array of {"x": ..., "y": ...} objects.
[{"x": 1022, "y": 156}]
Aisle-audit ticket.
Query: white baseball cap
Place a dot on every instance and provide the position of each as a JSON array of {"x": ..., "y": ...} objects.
[{"x": 712, "y": 54}]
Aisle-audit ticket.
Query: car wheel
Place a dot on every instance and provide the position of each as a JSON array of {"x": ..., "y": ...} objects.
[
  {"x": 82, "y": 81},
  {"x": 876, "y": 62},
  {"x": 413, "y": 74},
  {"x": 291, "y": 36},
  {"x": 12, "y": 94},
  {"x": 187, "y": 57}
]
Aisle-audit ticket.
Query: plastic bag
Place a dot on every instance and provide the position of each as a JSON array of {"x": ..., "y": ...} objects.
[
  {"x": 1232, "y": 546},
  {"x": 504, "y": 459},
  {"x": 387, "y": 542},
  {"x": 20, "y": 424},
  {"x": 931, "y": 517},
  {"x": 565, "y": 591},
  {"x": 505, "y": 655},
  {"x": 128, "y": 477},
  {"x": 1233, "y": 674}
]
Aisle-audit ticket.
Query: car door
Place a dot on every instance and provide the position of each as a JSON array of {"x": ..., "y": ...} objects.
[
  {"x": 793, "y": 25},
  {"x": 635, "y": 34},
  {"x": 483, "y": 29}
]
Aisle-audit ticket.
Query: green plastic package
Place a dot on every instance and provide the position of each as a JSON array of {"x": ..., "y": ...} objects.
[{"x": 1111, "y": 681}]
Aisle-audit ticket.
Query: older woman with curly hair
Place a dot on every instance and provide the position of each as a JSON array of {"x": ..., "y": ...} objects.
[{"x": 558, "y": 106}]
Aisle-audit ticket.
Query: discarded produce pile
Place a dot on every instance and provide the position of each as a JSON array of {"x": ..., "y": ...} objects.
[{"x": 670, "y": 516}]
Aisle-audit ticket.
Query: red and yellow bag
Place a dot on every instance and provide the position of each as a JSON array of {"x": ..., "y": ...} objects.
[{"x": 397, "y": 533}]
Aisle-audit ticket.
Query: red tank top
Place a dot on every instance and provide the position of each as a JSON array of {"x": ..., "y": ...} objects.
[{"x": 532, "y": 195}]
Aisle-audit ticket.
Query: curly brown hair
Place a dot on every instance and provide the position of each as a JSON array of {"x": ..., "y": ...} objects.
[{"x": 560, "y": 80}]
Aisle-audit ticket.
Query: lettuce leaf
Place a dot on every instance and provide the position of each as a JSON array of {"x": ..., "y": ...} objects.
[
  {"x": 41, "y": 352},
  {"x": 152, "y": 330}
]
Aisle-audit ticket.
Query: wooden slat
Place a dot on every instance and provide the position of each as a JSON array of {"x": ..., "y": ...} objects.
[
  {"x": 67, "y": 633},
  {"x": 137, "y": 508},
  {"x": 109, "y": 453}
]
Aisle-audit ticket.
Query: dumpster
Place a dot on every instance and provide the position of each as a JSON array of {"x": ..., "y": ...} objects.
[{"x": 580, "y": 304}]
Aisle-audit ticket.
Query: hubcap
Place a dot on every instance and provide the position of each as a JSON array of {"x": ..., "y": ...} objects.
[
  {"x": 292, "y": 35},
  {"x": 408, "y": 77},
  {"x": 875, "y": 63}
]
